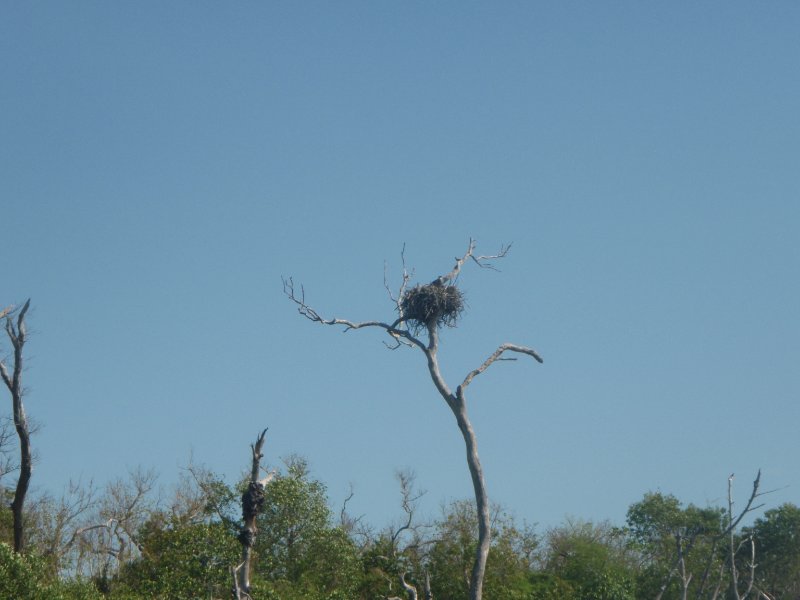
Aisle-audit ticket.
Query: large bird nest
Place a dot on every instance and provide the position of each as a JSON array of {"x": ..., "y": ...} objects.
[{"x": 431, "y": 304}]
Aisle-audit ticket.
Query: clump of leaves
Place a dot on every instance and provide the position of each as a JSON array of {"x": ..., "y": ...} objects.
[{"x": 432, "y": 303}]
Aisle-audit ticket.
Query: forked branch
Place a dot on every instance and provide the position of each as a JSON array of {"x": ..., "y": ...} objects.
[
  {"x": 482, "y": 261},
  {"x": 497, "y": 356}
]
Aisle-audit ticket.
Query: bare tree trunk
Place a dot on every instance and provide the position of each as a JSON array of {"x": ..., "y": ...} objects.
[
  {"x": 17, "y": 334},
  {"x": 731, "y": 540},
  {"x": 252, "y": 501},
  {"x": 458, "y": 405},
  {"x": 428, "y": 592},
  {"x": 481, "y": 500},
  {"x": 686, "y": 578}
]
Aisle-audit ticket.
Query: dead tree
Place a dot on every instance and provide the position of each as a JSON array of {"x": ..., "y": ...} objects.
[
  {"x": 424, "y": 309},
  {"x": 398, "y": 549},
  {"x": 252, "y": 502},
  {"x": 728, "y": 534},
  {"x": 733, "y": 547},
  {"x": 16, "y": 331}
]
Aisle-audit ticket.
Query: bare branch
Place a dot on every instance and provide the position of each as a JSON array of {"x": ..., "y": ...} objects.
[
  {"x": 410, "y": 589},
  {"x": 453, "y": 274},
  {"x": 404, "y": 283},
  {"x": 482, "y": 261},
  {"x": 496, "y": 356},
  {"x": 237, "y": 591},
  {"x": 409, "y": 504},
  {"x": 748, "y": 508},
  {"x": 257, "y": 455},
  {"x": 7, "y": 462},
  {"x": 309, "y": 313}
]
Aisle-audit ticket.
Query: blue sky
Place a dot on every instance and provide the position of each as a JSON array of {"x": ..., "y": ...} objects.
[{"x": 164, "y": 164}]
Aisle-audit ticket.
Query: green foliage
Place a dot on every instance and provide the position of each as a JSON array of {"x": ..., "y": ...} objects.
[
  {"x": 777, "y": 538},
  {"x": 381, "y": 566},
  {"x": 452, "y": 556},
  {"x": 181, "y": 560},
  {"x": 23, "y": 577},
  {"x": 546, "y": 586},
  {"x": 18, "y": 575},
  {"x": 186, "y": 552},
  {"x": 592, "y": 559},
  {"x": 656, "y": 525},
  {"x": 658, "y": 517},
  {"x": 6, "y": 520},
  {"x": 297, "y": 548}
]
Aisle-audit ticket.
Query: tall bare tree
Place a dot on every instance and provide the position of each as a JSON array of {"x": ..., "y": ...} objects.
[
  {"x": 423, "y": 310},
  {"x": 17, "y": 334}
]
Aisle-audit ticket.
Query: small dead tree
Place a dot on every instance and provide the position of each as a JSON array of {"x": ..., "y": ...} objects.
[
  {"x": 410, "y": 502},
  {"x": 747, "y": 542},
  {"x": 252, "y": 502},
  {"x": 17, "y": 334},
  {"x": 110, "y": 537},
  {"x": 721, "y": 546},
  {"x": 423, "y": 310}
]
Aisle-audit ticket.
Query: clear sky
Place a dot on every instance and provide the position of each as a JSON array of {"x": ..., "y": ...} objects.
[{"x": 162, "y": 164}]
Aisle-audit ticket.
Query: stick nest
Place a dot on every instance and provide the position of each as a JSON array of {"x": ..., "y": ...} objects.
[{"x": 433, "y": 303}]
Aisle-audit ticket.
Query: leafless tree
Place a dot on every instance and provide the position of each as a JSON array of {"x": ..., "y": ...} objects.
[
  {"x": 416, "y": 315},
  {"x": 252, "y": 501},
  {"x": 352, "y": 525},
  {"x": 404, "y": 541},
  {"x": 198, "y": 495},
  {"x": 712, "y": 580},
  {"x": 17, "y": 334},
  {"x": 735, "y": 546},
  {"x": 56, "y": 526},
  {"x": 417, "y": 539}
]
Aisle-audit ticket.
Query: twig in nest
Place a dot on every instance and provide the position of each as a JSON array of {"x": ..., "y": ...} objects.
[{"x": 433, "y": 303}]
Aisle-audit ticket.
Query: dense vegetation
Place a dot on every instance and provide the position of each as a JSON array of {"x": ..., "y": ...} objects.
[{"x": 129, "y": 541}]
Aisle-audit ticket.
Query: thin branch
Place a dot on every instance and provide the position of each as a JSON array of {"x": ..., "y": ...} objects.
[
  {"x": 237, "y": 591},
  {"x": 348, "y": 523},
  {"x": 312, "y": 315},
  {"x": 80, "y": 531},
  {"x": 496, "y": 356},
  {"x": 481, "y": 261},
  {"x": 409, "y": 504},
  {"x": 403, "y": 285}
]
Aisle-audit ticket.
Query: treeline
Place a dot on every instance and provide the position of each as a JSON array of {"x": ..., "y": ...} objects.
[{"x": 130, "y": 540}]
